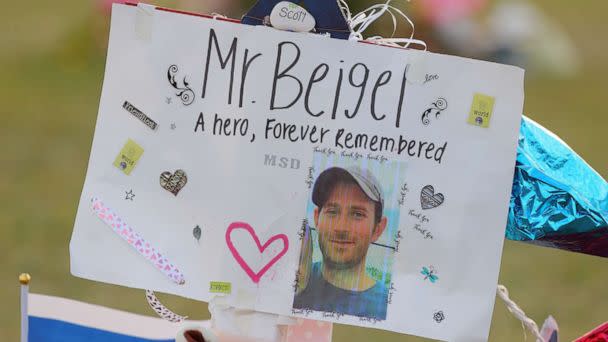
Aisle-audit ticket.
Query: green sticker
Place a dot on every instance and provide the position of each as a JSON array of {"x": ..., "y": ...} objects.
[
  {"x": 128, "y": 156},
  {"x": 481, "y": 110},
  {"x": 220, "y": 287}
]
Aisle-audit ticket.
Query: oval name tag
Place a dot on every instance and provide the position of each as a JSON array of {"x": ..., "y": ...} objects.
[{"x": 288, "y": 16}]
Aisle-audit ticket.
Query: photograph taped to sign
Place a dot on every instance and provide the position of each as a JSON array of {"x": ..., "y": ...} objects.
[
  {"x": 263, "y": 101},
  {"x": 348, "y": 244}
]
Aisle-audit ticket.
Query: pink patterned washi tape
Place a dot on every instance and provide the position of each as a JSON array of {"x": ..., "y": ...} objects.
[{"x": 120, "y": 227}]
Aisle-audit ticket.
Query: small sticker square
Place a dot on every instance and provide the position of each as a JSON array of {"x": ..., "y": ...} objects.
[
  {"x": 481, "y": 110},
  {"x": 220, "y": 287},
  {"x": 128, "y": 156}
]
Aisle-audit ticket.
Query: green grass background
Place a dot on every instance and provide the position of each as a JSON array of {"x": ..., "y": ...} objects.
[{"x": 51, "y": 66}]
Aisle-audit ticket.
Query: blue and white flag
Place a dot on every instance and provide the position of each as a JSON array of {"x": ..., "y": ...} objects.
[{"x": 55, "y": 319}]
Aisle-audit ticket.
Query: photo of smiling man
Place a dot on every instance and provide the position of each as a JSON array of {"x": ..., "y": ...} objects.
[{"x": 348, "y": 218}]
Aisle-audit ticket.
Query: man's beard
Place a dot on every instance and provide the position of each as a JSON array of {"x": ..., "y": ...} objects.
[
  {"x": 339, "y": 265},
  {"x": 328, "y": 262}
]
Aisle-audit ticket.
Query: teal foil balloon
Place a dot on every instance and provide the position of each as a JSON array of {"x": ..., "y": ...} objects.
[{"x": 557, "y": 199}]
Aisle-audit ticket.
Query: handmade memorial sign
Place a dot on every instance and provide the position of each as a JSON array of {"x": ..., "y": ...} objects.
[{"x": 329, "y": 179}]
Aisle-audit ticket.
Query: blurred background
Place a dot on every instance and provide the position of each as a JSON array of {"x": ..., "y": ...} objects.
[{"x": 51, "y": 66}]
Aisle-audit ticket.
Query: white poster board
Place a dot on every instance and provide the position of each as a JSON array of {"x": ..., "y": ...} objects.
[{"x": 420, "y": 149}]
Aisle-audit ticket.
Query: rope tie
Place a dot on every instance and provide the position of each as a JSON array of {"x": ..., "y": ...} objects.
[
  {"x": 362, "y": 20},
  {"x": 514, "y": 309}
]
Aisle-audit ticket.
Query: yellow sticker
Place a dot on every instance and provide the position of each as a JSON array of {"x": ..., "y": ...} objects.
[
  {"x": 128, "y": 156},
  {"x": 220, "y": 287},
  {"x": 481, "y": 110}
]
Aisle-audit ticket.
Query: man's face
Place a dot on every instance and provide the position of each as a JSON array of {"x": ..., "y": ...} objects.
[{"x": 346, "y": 226}]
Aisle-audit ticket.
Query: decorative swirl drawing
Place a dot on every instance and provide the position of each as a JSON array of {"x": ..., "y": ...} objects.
[
  {"x": 437, "y": 107},
  {"x": 184, "y": 92}
]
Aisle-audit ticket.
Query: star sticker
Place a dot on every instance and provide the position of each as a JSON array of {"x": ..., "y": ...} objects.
[
  {"x": 173, "y": 126},
  {"x": 130, "y": 195},
  {"x": 169, "y": 100}
]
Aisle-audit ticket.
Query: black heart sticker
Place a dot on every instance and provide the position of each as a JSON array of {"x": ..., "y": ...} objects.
[{"x": 429, "y": 199}]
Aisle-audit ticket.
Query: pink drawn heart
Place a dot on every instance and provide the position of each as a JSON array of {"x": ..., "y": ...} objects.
[{"x": 255, "y": 276}]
